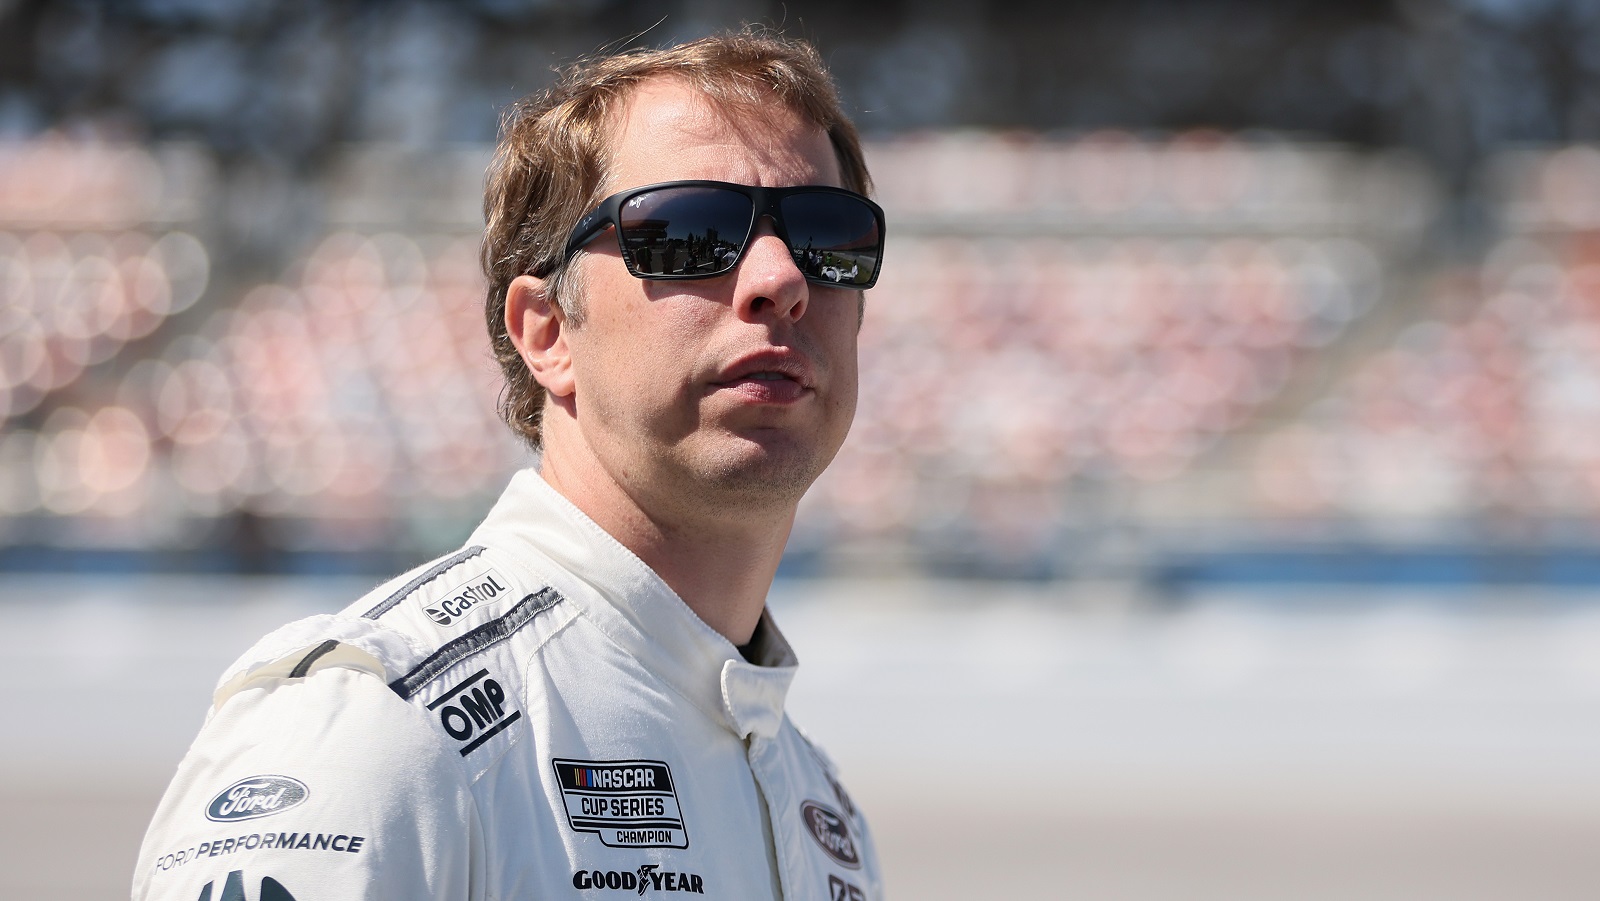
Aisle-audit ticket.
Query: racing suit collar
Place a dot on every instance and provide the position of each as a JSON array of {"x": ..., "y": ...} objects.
[{"x": 624, "y": 598}]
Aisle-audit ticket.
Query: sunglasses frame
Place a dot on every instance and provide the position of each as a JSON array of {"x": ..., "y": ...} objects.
[{"x": 763, "y": 201}]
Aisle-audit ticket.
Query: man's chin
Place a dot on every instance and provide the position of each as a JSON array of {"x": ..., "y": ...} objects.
[{"x": 774, "y": 466}]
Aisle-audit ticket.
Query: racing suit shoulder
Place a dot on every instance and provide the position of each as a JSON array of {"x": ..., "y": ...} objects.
[
  {"x": 404, "y": 627},
  {"x": 336, "y": 749},
  {"x": 325, "y": 784}
]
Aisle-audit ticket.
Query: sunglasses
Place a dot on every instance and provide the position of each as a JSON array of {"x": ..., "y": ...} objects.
[{"x": 700, "y": 229}]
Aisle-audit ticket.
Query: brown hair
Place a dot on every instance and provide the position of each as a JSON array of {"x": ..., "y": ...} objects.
[{"x": 552, "y": 156}]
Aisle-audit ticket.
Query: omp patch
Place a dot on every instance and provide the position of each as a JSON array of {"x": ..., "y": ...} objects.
[
  {"x": 832, "y": 833},
  {"x": 628, "y": 803},
  {"x": 474, "y": 711}
]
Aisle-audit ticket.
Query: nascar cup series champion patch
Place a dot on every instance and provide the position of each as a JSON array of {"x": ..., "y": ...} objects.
[{"x": 628, "y": 803}]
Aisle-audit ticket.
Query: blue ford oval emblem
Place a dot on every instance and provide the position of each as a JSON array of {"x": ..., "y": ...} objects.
[
  {"x": 258, "y": 796},
  {"x": 832, "y": 832}
]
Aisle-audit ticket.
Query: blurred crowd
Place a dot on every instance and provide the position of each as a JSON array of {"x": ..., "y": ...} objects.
[
  {"x": 1107, "y": 315},
  {"x": 1485, "y": 407},
  {"x": 1104, "y": 310},
  {"x": 1311, "y": 287}
]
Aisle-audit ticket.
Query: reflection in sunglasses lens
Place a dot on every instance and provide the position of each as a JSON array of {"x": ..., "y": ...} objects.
[
  {"x": 685, "y": 230},
  {"x": 834, "y": 238},
  {"x": 699, "y": 231}
]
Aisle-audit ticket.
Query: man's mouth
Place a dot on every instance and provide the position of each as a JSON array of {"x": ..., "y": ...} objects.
[{"x": 766, "y": 387}]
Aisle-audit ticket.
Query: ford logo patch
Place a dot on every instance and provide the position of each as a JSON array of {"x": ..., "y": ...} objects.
[
  {"x": 258, "y": 796},
  {"x": 832, "y": 832}
]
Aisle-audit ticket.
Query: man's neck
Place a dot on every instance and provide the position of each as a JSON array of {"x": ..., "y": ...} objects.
[{"x": 720, "y": 563}]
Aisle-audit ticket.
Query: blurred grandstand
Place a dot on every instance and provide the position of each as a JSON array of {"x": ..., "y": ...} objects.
[{"x": 1323, "y": 348}]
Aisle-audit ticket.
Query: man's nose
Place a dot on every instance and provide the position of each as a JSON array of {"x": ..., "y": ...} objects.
[{"x": 768, "y": 283}]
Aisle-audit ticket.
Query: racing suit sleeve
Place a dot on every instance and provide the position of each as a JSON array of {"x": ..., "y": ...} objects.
[{"x": 321, "y": 786}]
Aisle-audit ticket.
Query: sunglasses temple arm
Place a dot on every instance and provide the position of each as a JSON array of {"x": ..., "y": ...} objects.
[{"x": 585, "y": 232}]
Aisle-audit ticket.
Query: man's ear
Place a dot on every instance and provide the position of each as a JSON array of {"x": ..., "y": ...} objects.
[{"x": 537, "y": 327}]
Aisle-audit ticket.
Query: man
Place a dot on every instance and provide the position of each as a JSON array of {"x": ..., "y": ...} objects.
[{"x": 588, "y": 699}]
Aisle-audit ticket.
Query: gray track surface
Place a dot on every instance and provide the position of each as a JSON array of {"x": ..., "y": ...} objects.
[{"x": 1006, "y": 743}]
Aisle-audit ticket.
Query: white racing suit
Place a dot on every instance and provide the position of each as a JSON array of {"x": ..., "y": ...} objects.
[{"x": 537, "y": 716}]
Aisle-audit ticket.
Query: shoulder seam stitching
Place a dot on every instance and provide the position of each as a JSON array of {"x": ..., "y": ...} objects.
[
  {"x": 479, "y": 639},
  {"x": 433, "y": 572}
]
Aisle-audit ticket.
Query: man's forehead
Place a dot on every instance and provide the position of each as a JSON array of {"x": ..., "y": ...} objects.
[{"x": 666, "y": 116}]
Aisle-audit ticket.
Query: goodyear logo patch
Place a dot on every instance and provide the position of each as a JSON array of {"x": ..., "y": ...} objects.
[{"x": 628, "y": 803}]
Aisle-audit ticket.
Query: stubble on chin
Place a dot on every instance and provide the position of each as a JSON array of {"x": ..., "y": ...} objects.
[{"x": 748, "y": 472}]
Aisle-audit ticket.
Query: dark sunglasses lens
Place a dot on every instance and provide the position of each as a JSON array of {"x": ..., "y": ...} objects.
[
  {"x": 693, "y": 231},
  {"x": 834, "y": 238}
]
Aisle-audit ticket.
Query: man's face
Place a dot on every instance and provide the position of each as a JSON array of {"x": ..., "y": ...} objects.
[{"x": 726, "y": 390}]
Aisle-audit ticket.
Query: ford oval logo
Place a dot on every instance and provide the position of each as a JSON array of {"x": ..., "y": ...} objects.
[
  {"x": 832, "y": 832},
  {"x": 258, "y": 796}
]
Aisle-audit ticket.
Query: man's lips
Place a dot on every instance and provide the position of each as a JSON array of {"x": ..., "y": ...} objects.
[
  {"x": 768, "y": 377},
  {"x": 765, "y": 387}
]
